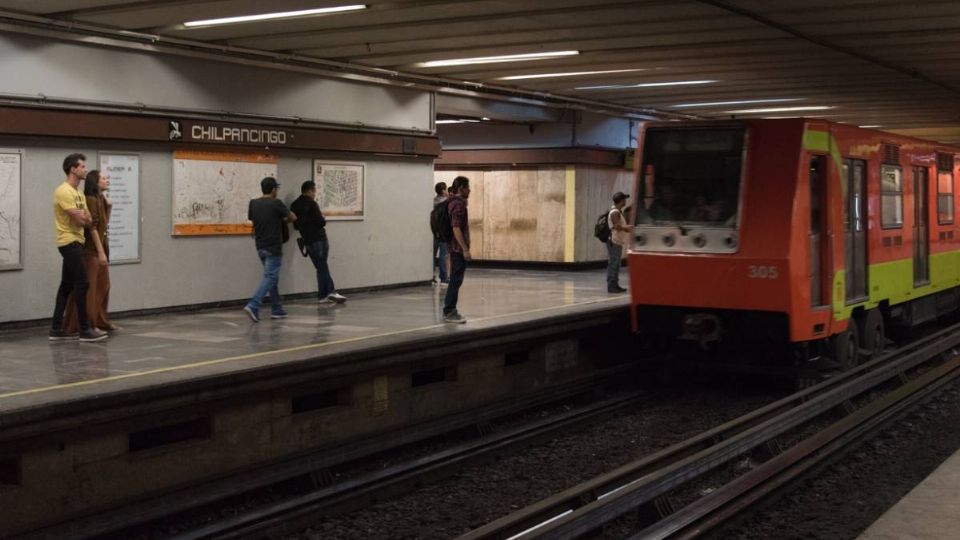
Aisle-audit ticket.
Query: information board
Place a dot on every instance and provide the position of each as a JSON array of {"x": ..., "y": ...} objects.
[
  {"x": 123, "y": 230},
  {"x": 212, "y": 190},
  {"x": 10, "y": 172}
]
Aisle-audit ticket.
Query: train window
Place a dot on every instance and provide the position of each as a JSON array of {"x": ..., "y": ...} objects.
[
  {"x": 944, "y": 189},
  {"x": 891, "y": 197},
  {"x": 694, "y": 174}
]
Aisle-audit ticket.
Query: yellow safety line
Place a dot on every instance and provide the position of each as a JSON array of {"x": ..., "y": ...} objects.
[
  {"x": 570, "y": 215},
  {"x": 279, "y": 351}
]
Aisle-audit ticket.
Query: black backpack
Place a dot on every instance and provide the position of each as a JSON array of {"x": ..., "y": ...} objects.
[
  {"x": 440, "y": 221},
  {"x": 602, "y": 228}
]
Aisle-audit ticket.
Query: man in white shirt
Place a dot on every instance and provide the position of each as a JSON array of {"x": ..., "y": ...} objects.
[{"x": 619, "y": 238}]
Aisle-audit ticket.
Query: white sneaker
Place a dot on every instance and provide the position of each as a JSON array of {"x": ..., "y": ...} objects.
[{"x": 336, "y": 297}]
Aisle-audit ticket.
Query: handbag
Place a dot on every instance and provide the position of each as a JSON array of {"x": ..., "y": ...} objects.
[{"x": 303, "y": 247}]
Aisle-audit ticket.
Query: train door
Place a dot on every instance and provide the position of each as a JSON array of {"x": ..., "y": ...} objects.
[
  {"x": 921, "y": 239},
  {"x": 819, "y": 258},
  {"x": 855, "y": 228}
]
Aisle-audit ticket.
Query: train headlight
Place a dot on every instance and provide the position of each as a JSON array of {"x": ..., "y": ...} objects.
[
  {"x": 669, "y": 240},
  {"x": 730, "y": 241},
  {"x": 700, "y": 240},
  {"x": 640, "y": 240}
]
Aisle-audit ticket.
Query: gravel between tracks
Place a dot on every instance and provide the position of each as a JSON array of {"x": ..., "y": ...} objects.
[
  {"x": 481, "y": 494},
  {"x": 841, "y": 501}
]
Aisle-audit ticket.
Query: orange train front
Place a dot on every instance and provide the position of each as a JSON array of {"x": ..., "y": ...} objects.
[{"x": 762, "y": 233}]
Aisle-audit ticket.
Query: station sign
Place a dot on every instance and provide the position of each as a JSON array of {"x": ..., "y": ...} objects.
[{"x": 218, "y": 133}]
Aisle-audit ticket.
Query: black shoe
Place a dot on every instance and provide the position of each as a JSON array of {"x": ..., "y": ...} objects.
[
  {"x": 58, "y": 334},
  {"x": 93, "y": 334},
  {"x": 617, "y": 289}
]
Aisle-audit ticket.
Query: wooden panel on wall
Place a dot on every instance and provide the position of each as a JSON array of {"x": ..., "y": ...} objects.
[{"x": 595, "y": 189}]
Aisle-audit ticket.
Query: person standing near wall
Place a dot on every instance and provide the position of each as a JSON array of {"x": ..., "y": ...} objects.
[
  {"x": 440, "y": 260},
  {"x": 619, "y": 237},
  {"x": 312, "y": 227},
  {"x": 458, "y": 248},
  {"x": 71, "y": 217},
  {"x": 96, "y": 257},
  {"x": 269, "y": 216}
]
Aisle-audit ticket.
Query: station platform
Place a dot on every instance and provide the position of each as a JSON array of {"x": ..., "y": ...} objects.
[
  {"x": 178, "y": 400},
  {"x": 163, "y": 349},
  {"x": 928, "y": 512}
]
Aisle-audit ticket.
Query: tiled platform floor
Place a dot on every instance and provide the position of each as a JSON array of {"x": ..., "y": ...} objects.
[{"x": 161, "y": 348}]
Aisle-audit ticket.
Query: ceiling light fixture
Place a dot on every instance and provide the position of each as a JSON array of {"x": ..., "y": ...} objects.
[
  {"x": 568, "y": 74},
  {"x": 738, "y": 102},
  {"x": 278, "y": 15},
  {"x": 642, "y": 85},
  {"x": 781, "y": 109},
  {"x": 871, "y": 126},
  {"x": 461, "y": 121},
  {"x": 495, "y": 59}
]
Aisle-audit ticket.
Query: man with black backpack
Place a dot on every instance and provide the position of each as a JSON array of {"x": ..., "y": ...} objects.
[
  {"x": 618, "y": 238},
  {"x": 440, "y": 260},
  {"x": 455, "y": 231}
]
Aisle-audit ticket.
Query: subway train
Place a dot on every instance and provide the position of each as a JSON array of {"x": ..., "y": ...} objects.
[{"x": 803, "y": 240}]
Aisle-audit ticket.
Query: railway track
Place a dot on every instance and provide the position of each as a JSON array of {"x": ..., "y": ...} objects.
[{"x": 646, "y": 484}]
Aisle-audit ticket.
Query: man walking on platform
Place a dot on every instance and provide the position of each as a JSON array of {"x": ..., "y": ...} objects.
[
  {"x": 458, "y": 248},
  {"x": 70, "y": 217},
  {"x": 619, "y": 238},
  {"x": 312, "y": 227},
  {"x": 269, "y": 216}
]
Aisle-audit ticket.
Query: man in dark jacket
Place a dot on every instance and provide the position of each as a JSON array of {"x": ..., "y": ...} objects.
[{"x": 312, "y": 227}]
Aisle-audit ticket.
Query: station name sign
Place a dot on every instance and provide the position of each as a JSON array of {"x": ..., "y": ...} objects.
[{"x": 203, "y": 132}]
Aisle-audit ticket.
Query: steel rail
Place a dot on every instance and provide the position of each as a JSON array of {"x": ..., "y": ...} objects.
[
  {"x": 583, "y": 508},
  {"x": 739, "y": 495},
  {"x": 303, "y": 510}
]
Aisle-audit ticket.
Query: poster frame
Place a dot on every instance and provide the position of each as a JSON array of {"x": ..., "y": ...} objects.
[
  {"x": 363, "y": 189},
  {"x": 139, "y": 257},
  {"x": 18, "y": 265}
]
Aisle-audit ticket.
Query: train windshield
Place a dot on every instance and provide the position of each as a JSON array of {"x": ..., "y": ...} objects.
[{"x": 691, "y": 176}]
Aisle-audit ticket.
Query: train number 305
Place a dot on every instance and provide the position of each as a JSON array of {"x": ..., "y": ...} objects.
[{"x": 761, "y": 271}]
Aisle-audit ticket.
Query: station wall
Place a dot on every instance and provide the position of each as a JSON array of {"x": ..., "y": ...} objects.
[
  {"x": 521, "y": 214},
  {"x": 391, "y": 246},
  {"x": 35, "y": 66},
  {"x": 582, "y": 130}
]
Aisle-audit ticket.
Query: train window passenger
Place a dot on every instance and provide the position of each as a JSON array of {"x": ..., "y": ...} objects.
[
  {"x": 695, "y": 175},
  {"x": 891, "y": 197},
  {"x": 944, "y": 189}
]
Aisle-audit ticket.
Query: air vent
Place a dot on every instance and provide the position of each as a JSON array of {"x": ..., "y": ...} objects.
[
  {"x": 891, "y": 154},
  {"x": 197, "y": 429},
  {"x": 944, "y": 162}
]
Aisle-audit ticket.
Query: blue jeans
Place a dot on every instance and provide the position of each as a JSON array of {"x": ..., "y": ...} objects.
[
  {"x": 440, "y": 258},
  {"x": 614, "y": 253},
  {"x": 318, "y": 252},
  {"x": 458, "y": 267},
  {"x": 269, "y": 283}
]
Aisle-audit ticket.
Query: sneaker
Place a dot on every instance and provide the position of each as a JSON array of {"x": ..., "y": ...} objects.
[
  {"x": 58, "y": 334},
  {"x": 93, "y": 334},
  {"x": 337, "y": 297},
  {"x": 252, "y": 313},
  {"x": 279, "y": 315},
  {"x": 617, "y": 289},
  {"x": 454, "y": 317},
  {"x": 325, "y": 300}
]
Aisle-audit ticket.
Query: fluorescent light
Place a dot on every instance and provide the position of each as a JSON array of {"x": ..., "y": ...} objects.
[
  {"x": 461, "y": 121},
  {"x": 781, "y": 109},
  {"x": 642, "y": 85},
  {"x": 278, "y": 15},
  {"x": 871, "y": 126},
  {"x": 494, "y": 59},
  {"x": 568, "y": 74},
  {"x": 739, "y": 102}
]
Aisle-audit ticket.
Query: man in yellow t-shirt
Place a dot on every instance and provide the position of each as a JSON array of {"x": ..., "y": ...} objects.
[{"x": 70, "y": 218}]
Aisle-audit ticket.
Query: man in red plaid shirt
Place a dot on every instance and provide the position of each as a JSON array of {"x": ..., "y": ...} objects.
[{"x": 458, "y": 248}]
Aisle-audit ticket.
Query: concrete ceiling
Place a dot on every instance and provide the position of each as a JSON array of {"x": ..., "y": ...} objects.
[{"x": 890, "y": 63}]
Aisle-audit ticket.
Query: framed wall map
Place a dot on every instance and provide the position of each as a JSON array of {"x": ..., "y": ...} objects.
[
  {"x": 10, "y": 173},
  {"x": 340, "y": 187}
]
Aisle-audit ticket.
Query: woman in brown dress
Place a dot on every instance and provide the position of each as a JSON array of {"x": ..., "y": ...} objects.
[{"x": 96, "y": 257}]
